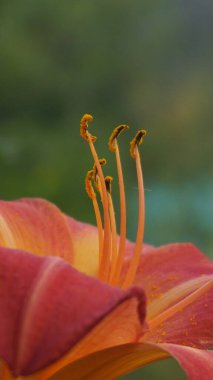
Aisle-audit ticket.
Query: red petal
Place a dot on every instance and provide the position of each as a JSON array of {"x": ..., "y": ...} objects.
[
  {"x": 119, "y": 327},
  {"x": 182, "y": 311},
  {"x": 188, "y": 322},
  {"x": 165, "y": 267},
  {"x": 36, "y": 226},
  {"x": 46, "y": 306}
]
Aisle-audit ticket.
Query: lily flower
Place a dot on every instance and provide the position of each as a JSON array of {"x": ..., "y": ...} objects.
[{"x": 80, "y": 302}]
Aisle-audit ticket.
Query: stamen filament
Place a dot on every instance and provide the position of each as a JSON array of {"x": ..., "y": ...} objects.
[
  {"x": 141, "y": 213},
  {"x": 116, "y": 268},
  {"x": 91, "y": 193},
  {"x": 108, "y": 181},
  {"x": 105, "y": 262},
  {"x": 100, "y": 228}
]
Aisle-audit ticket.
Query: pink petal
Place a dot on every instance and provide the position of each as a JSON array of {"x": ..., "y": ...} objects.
[
  {"x": 36, "y": 226},
  {"x": 46, "y": 307},
  {"x": 198, "y": 364}
]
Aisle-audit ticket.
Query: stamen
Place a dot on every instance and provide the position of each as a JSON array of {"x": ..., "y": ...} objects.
[
  {"x": 113, "y": 146},
  {"x": 96, "y": 179},
  {"x": 138, "y": 139},
  {"x": 88, "y": 185},
  {"x": 105, "y": 262},
  {"x": 108, "y": 182},
  {"x": 141, "y": 210},
  {"x": 113, "y": 138},
  {"x": 91, "y": 193},
  {"x": 87, "y": 118}
]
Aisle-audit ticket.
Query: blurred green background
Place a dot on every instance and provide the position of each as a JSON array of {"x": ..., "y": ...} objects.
[{"x": 144, "y": 63}]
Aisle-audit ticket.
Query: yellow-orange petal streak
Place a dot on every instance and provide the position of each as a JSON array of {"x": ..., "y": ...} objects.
[
  {"x": 83, "y": 236},
  {"x": 179, "y": 306},
  {"x": 176, "y": 294}
]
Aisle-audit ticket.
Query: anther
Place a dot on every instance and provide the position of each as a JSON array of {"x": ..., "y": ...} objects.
[
  {"x": 108, "y": 182},
  {"x": 95, "y": 177},
  {"x": 88, "y": 184},
  {"x": 85, "y": 120},
  {"x": 102, "y": 162},
  {"x": 138, "y": 139},
  {"x": 117, "y": 131}
]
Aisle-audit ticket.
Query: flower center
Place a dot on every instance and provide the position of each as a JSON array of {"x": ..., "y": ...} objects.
[{"x": 112, "y": 252}]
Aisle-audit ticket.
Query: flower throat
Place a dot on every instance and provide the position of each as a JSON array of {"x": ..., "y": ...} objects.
[{"x": 111, "y": 254}]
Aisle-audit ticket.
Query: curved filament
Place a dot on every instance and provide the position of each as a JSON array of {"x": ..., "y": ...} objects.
[
  {"x": 140, "y": 231},
  {"x": 116, "y": 268}
]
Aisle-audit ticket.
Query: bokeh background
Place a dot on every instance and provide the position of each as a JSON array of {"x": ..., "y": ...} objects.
[{"x": 141, "y": 62}]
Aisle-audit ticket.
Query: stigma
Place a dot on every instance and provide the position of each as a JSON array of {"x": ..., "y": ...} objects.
[{"x": 99, "y": 189}]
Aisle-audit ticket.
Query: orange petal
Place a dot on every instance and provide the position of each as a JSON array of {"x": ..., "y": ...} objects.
[
  {"x": 111, "y": 363},
  {"x": 36, "y": 226},
  {"x": 85, "y": 246},
  {"x": 117, "y": 361}
]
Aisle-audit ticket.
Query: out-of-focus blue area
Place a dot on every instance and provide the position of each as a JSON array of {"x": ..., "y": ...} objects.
[
  {"x": 181, "y": 211},
  {"x": 144, "y": 63}
]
